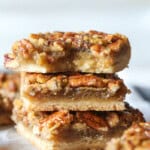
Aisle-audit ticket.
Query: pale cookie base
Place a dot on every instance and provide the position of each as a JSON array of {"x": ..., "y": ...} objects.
[
  {"x": 25, "y": 67},
  {"x": 53, "y": 104},
  {"x": 82, "y": 144}
]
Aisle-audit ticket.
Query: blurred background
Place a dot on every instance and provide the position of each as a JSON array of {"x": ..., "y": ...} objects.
[{"x": 19, "y": 18}]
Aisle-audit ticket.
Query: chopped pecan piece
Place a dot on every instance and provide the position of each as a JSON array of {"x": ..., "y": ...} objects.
[
  {"x": 42, "y": 79},
  {"x": 57, "y": 46},
  {"x": 24, "y": 46},
  {"x": 96, "y": 48},
  {"x": 87, "y": 80},
  {"x": 57, "y": 118},
  {"x": 112, "y": 119}
]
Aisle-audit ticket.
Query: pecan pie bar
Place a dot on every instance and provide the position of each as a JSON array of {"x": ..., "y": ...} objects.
[
  {"x": 72, "y": 130},
  {"x": 9, "y": 88},
  {"x": 73, "y": 91},
  {"x": 93, "y": 51},
  {"x": 137, "y": 137}
]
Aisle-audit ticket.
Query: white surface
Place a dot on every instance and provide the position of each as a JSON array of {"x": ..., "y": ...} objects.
[
  {"x": 140, "y": 77},
  {"x": 10, "y": 140}
]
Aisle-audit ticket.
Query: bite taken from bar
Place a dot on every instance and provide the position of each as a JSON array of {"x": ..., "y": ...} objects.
[{"x": 92, "y": 51}]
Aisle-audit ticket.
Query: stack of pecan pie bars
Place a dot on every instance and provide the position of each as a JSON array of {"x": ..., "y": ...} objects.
[{"x": 70, "y": 96}]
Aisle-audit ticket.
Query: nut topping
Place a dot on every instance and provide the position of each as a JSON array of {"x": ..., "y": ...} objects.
[
  {"x": 112, "y": 119},
  {"x": 96, "y": 48},
  {"x": 85, "y": 80},
  {"x": 137, "y": 137},
  {"x": 25, "y": 47},
  {"x": 57, "y": 118},
  {"x": 93, "y": 121}
]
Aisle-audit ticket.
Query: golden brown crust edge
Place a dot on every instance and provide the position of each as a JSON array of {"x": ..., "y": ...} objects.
[{"x": 61, "y": 103}]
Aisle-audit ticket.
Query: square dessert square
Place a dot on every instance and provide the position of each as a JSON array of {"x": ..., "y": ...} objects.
[
  {"x": 73, "y": 91},
  {"x": 93, "y": 51},
  {"x": 71, "y": 130}
]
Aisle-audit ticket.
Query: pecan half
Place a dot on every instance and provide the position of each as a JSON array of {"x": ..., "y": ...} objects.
[
  {"x": 92, "y": 120},
  {"x": 85, "y": 80}
]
